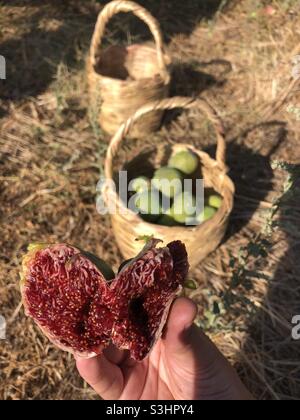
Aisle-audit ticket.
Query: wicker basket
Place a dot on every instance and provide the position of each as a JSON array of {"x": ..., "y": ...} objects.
[
  {"x": 122, "y": 79},
  {"x": 200, "y": 240}
]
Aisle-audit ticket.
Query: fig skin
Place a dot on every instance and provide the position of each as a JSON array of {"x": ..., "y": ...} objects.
[
  {"x": 207, "y": 214},
  {"x": 215, "y": 201},
  {"x": 168, "y": 181},
  {"x": 148, "y": 204},
  {"x": 124, "y": 264},
  {"x": 140, "y": 184},
  {"x": 167, "y": 220},
  {"x": 102, "y": 266},
  {"x": 99, "y": 264},
  {"x": 185, "y": 161},
  {"x": 184, "y": 207},
  {"x": 58, "y": 280}
]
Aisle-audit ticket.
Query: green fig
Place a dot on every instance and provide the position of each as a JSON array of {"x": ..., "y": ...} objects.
[
  {"x": 190, "y": 284},
  {"x": 168, "y": 181},
  {"x": 167, "y": 220},
  {"x": 215, "y": 201},
  {"x": 184, "y": 207},
  {"x": 148, "y": 204},
  {"x": 185, "y": 161},
  {"x": 140, "y": 184},
  {"x": 207, "y": 214}
]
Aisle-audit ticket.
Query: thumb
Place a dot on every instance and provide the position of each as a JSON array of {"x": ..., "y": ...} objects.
[
  {"x": 188, "y": 349},
  {"x": 178, "y": 331},
  {"x": 184, "y": 339}
]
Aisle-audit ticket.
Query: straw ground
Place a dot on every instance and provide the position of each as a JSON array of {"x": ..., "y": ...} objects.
[{"x": 236, "y": 54}]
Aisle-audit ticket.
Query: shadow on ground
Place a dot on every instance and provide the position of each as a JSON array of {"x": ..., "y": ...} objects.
[
  {"x": 177, "y": 16},
  {"x": 251, "y": 171},
  {"x": 190, "y": 79},
  {"x": 270, "y": 342},
  {"x": 57, "y": 31},
  {"x": 52, "y": 33}
]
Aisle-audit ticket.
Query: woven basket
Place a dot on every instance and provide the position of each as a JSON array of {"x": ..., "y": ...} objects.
[
  {"x": 200, "y": 240},
  {"x": 122, "y": 79}
]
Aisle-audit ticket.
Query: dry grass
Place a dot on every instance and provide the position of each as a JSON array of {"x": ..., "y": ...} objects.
[{"x": 52, "y": 153}]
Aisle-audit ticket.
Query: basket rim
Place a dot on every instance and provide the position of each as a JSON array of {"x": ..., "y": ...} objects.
[
  {"x": 157, "y": 78},
  {"x": 163, "y": 105},
  {"x": 128, "y": 6},
  {"x": 165, "y": 81},
  {"x": 160, "y": 228}
]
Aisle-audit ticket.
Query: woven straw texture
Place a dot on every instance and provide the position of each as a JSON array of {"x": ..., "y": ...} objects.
[
  {"x": 122, "y": 79},
  {"x": 200, "y": 240}
]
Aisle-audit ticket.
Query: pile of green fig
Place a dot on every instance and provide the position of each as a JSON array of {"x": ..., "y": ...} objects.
[{"x": 163, "y": 200}]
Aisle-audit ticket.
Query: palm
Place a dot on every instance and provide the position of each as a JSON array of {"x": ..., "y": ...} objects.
[
  {"x": 183, "y": 365},
  {"x": 150, "y": 380}
]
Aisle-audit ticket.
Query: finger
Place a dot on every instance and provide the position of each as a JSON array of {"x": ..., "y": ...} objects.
[
  {"x": 115, "y": 355},
  {"x": 103, "y": 376},
  {"x": 187, "y": 346},
  {"x": 183, "y": 337},
  {"x": 181, "y": 318}
]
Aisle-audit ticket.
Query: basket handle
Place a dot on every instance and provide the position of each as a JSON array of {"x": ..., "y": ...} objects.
[
  {"x": 119, "y": 6},
  {"x": 168, "y": 104}
]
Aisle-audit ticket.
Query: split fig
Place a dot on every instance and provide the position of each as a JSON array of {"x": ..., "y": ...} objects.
[
  {"x": 59, "y": 284},
  {"x": 65, "y": 292}
]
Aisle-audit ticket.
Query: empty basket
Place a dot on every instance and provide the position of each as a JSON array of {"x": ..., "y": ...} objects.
[{"x": 123, "y": 78}]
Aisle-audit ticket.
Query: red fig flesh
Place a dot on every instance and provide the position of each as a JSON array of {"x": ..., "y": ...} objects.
[
  {"x": 144, "y": 291},
  {"x": 67, "y": 295},
  {"x": 59, "y": 288}
]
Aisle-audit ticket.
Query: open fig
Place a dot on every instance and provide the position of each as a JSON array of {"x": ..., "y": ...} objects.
[
  {"x": 59, "y": 286},
  {"x": 66, "y": 293},
  {"x": 143, "y": 294}
]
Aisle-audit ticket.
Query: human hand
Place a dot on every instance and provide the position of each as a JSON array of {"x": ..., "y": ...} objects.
[{"x": 184, "y": 365}]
